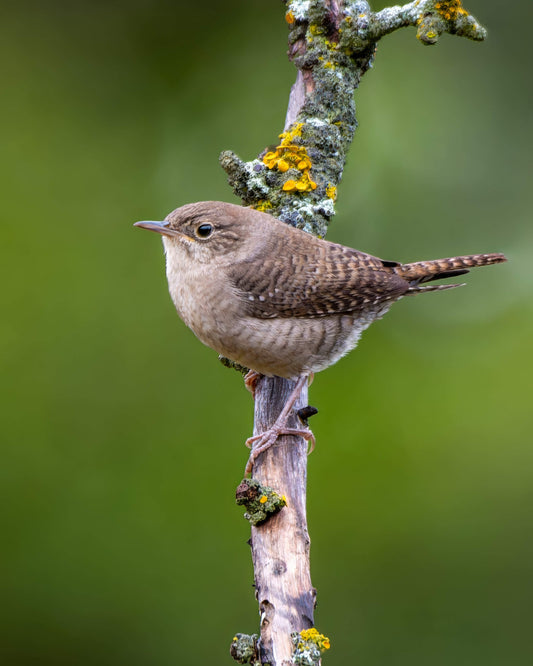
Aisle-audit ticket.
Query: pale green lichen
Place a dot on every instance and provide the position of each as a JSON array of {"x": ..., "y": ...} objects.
[
  {"x": 244, "y": 649},
  {"x": 249, "y": 180},
  {"x": 261, "y": 502},
  {"x": 432, "y": 17},
  {"x": 299, "y": 9},
  {"x": 228, "y": 363}
]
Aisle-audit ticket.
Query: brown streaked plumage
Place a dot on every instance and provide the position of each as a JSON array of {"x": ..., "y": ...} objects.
[{"x": 276, "y": 299}]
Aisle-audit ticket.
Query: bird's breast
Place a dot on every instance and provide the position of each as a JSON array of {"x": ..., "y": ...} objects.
[{"x": 205, "y": 302}]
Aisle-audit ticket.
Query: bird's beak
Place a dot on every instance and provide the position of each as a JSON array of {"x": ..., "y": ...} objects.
[{"x": 160, "y": 227}]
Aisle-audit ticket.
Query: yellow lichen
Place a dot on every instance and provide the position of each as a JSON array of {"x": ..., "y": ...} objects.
[
  {"x": 308, "y": 634},
  {"x": 322, "y": 642},
  {"x": 289, "y": 185},
  {"x": 450, "y": 9},
  {"x": 305, "y": 163},
  {"x": 304, "y": 184},
  {"x": 290, "y": 134},
  {"x": 331, "y": 192},
  {"x": 290, "y": 155},
  {"x": 289, "y": 17},
  {"x": 263, "y": 499},
  {"x": 263, "y": 205}
]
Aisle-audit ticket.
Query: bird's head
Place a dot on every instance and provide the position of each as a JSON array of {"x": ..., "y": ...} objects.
[{"x": 203, "y": 231}]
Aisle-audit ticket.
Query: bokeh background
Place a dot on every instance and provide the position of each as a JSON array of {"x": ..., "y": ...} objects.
[{"x": 122, "y": 436}]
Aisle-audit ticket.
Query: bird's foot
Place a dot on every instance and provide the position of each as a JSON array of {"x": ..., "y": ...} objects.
[
  {"x": 260, "y": 443},
  {"x": 250, "y": 381}
]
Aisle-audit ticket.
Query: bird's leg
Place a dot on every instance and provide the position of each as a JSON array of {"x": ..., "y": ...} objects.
[{"x": 262, "y": 442}]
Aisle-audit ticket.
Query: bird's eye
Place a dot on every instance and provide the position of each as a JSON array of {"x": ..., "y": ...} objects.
[{"x": 204, "y": 230}]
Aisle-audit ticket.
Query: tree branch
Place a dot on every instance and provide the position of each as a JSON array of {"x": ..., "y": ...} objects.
[
  {"x": 431, "y": 17},
  {"x": 280, "y": 547},
  {"x": 332, "y": 43}
]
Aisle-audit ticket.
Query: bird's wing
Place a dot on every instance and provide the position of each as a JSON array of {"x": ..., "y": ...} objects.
[{"x": 315, "y": 279}]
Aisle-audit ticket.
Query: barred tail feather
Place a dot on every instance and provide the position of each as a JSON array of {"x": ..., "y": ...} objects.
[
  {"x": 426, "y": 271},
  {"x": 418, "y": 289}
]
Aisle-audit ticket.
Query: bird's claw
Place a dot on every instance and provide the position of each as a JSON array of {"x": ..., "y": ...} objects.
[
  {"x": 267, "y": 439},
  {"x": 250, "y": 381}
]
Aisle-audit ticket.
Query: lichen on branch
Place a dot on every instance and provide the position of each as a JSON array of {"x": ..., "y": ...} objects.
[
  {"x": 308, "y": 646},
  {"x": 261, "y": 502},
  {"x": 332, "y": 44},
  {"x": 432, "y": 18},
  {"x": 244, "y": 649}
]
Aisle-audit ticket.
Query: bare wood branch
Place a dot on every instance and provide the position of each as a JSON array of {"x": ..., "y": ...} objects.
[{"x": 280, "y": 547}]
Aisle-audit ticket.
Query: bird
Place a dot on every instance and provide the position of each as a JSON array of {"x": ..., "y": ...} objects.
[{"x": 278, "y": 300}]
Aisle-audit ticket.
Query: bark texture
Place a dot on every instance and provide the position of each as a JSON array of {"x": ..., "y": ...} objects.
[{"x": 280, "y": 547}]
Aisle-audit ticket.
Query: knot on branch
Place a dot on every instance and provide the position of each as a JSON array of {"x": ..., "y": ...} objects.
[
  {"x": 261, "y": 502},
  {"x": 306, "y": 413},
  {"x": 244, "y": 649},
  {"x": 308, "y": 646}
]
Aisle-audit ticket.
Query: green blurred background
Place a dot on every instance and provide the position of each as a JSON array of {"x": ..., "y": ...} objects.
[{"x": 122, "y": 436}]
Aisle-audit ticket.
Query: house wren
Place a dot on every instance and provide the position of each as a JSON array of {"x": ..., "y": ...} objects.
[{"x": 278, "y": 300}]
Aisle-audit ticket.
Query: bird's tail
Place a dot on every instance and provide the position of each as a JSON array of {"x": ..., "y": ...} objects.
[{"x": 426, "y": 271}]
